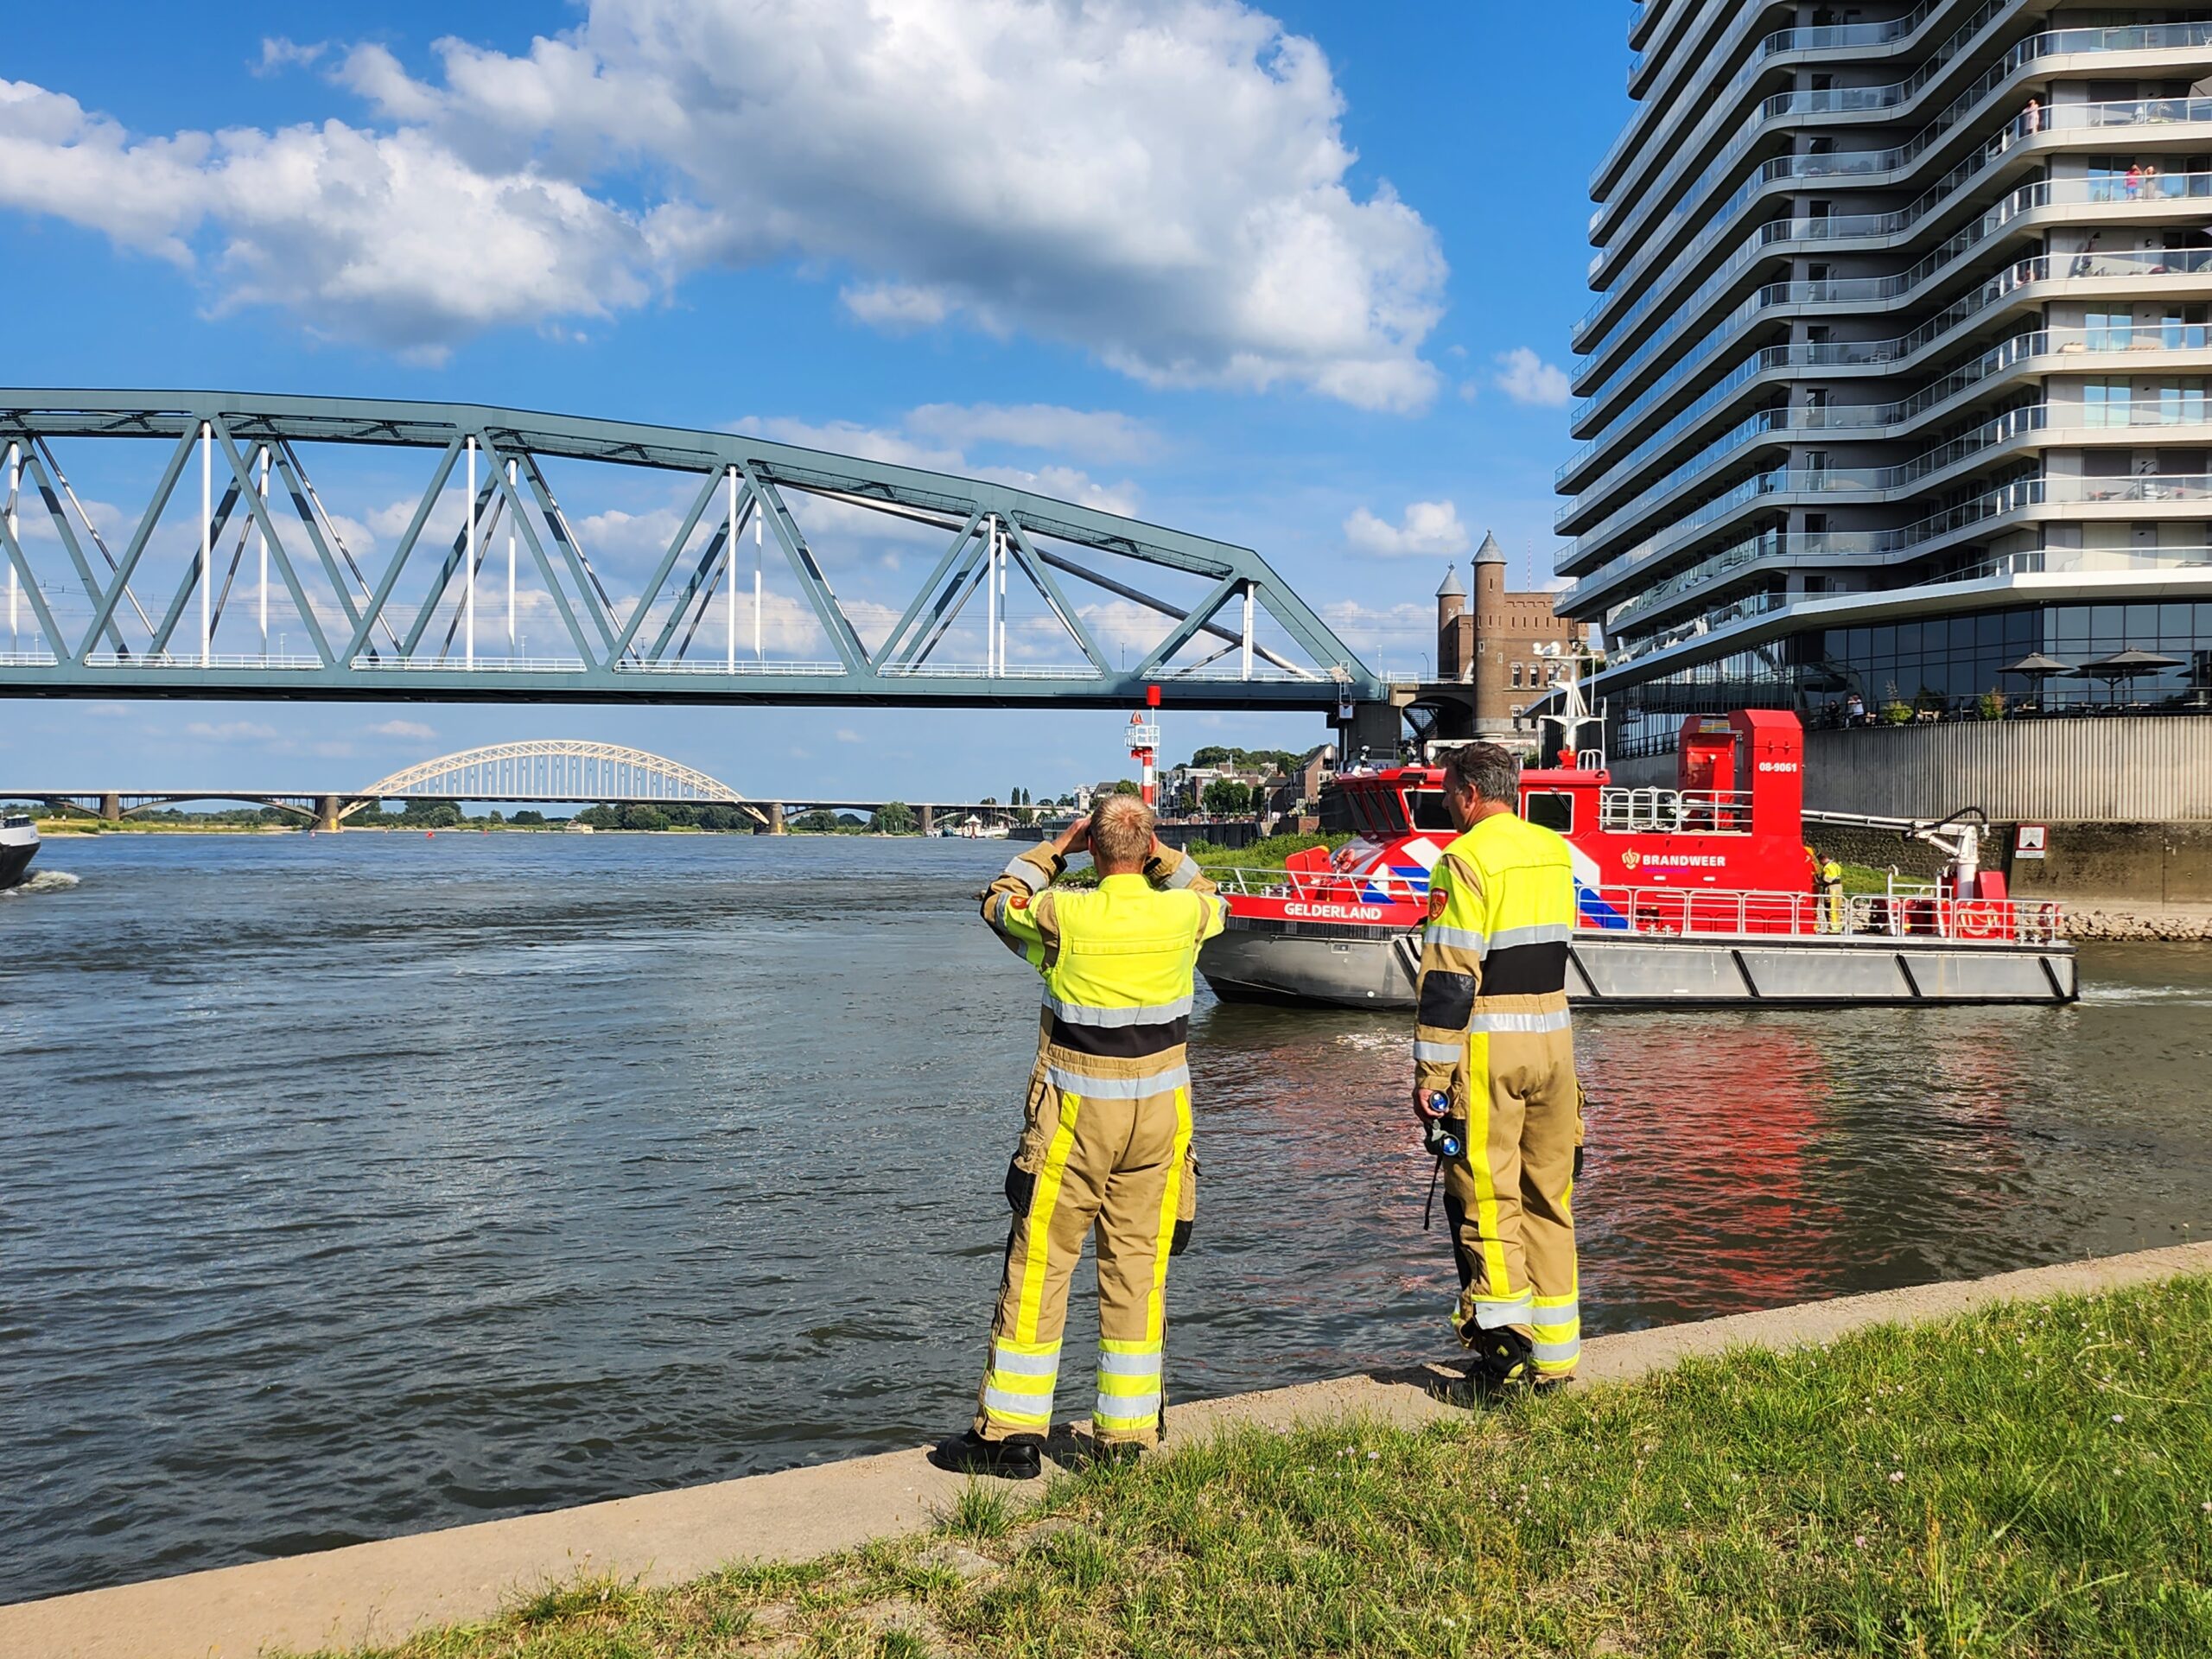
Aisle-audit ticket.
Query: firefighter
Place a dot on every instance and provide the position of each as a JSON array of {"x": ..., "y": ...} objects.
[
  {"x": 1106, "y": 1143},
  {"x": 1832, "y": 896},
  {"x": 1493, "y": 1038}
]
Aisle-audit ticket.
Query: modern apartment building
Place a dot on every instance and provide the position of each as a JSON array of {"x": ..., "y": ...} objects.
[{"x": 1895, "y": 378}]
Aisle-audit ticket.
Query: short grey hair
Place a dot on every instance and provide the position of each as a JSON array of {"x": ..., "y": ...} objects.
[
  {"x": 1492, "y": 772},
  {"x": 1121, "y": 829}
]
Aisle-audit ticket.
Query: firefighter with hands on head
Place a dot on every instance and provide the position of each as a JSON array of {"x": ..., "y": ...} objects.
[
  {"x": 1494, "y": 1051},
  {"x": 1105, "y": 1144}
]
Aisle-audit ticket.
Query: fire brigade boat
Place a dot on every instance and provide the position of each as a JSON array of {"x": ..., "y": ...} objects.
[{"x": 1696, "y": 895}]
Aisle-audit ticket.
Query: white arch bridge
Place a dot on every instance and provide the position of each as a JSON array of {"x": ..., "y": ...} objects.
[
  {"x": 557, "y": 769},
  {"x": 543, "y": 770}
]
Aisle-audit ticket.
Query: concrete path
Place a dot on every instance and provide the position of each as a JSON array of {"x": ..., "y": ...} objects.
[{"x": 381, "y": 1591}]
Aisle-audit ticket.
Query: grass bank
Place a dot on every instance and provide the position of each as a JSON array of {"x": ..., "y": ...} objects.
[{"x": 2036, "y": 1479}]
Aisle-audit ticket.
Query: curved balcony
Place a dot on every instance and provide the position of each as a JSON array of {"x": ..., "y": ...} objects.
[
  {"x": 1870, "y": 169},
  {"x": 2016, "y": 502},
  {"x": 1622, "y": 218},
  {"x": 2052, "y": 574},
  {"x": 2132, "y": 268},
  {"x": 2015, "y": 429},
  {"x": 2030, "y": 208},
  {"x": 1865, "y": 40}
]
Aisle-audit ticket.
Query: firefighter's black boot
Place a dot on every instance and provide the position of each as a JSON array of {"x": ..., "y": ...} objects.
[{"x": 1019, "y": 1457}]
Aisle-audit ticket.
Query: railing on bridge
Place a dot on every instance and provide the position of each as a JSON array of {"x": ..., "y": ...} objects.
[{"x": 546, "y": 557}]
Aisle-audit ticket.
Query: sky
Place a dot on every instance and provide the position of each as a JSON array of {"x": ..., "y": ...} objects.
[{"x": 1299, "y": 278}]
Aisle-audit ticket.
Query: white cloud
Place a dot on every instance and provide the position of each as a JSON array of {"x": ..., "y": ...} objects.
[
  {"x": 1429, "y": 529},
  {"x": 1088, "y": 434},
  {"x": 408, "y": 728},
  {"x": 847, "y": 734},
  {"x": 1526, "y": 379},
  {"x": 1161, "y": 183},
  {"x": 390, "y": 239},
  {"x": 279, "y": 54}
]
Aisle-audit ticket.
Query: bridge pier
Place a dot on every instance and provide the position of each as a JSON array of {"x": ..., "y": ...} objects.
[
  {"x": 775, "y": 817},
  {"x": 325, "y": 814},
  {"x": 929, "y": 820},
  {"x": 110, "y": 808}
]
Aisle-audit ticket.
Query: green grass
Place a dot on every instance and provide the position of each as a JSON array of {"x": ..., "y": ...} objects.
[{"x": 2036, "y": 1480}]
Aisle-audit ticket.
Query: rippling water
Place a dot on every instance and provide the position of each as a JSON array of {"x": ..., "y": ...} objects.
[{"x": 354, "y": 1186}]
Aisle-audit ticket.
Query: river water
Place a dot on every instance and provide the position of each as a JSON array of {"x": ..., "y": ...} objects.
[{"x": 354, "y": 1186}]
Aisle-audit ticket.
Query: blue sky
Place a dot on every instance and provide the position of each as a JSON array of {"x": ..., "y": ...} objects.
[{"x": 818, "y": 244}]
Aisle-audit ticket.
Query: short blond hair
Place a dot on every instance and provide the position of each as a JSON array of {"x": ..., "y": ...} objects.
[{"x": 1121, "y": 831}]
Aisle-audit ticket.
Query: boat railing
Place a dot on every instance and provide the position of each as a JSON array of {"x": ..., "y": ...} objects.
[
  {"x": 1689, "y": 912},
  {"x": 1331, "y": 886},
  {"x": 1710, "y": 811}
]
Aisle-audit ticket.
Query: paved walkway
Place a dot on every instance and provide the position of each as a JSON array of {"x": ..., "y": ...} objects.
[{"x": 381, "y": 1591}]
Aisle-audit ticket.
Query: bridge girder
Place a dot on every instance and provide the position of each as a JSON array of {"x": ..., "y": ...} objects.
[{"x": 386, "y": 629}]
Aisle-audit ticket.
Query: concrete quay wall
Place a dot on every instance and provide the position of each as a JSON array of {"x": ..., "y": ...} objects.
[{"x": 382, "y": 1592}]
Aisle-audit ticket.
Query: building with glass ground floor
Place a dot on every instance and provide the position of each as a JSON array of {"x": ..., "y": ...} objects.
[{"x": 1893, "y": 392}]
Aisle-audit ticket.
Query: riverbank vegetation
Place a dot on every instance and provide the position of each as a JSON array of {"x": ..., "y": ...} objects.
[{"x": 2035, "y": 1479}]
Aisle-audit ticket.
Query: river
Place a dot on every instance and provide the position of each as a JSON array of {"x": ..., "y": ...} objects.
[{"x": 355, "y": 1186}]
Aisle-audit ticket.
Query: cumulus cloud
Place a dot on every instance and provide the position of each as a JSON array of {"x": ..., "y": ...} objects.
[
  {"x": 1084, "y": 434},
  {"x": 391, "y": 238},
  {"x": 1526, "y": 379},
  {"x": 1161, "y": 183},
  {"x": 1429, "y": 528},
  {"x": 279, "y": 54},
  {"x": 933, "y": 437},
  {"x": 408, "y": 728}
]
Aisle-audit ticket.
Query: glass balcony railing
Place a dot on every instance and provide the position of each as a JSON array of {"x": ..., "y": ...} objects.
[
  {"x": 1724, "y": 102},
  {"x": 2047, "y": 561},
  {"x": 2135, "y": 266},
  {"x": 1869, "y": 165},
  {"x": 2158, "y": 191},
  {"x": 1802, "y": 484}
]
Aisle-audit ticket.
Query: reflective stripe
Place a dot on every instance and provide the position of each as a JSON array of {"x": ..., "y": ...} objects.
[
  {"x": 1128, "y": 1388},
  {"x": 1557, "y": 1316},
  {"x": 1525, "y": 1022},
  {"x": 1017, "y": 1407},
  {"x": 1160, "y": 1083},
  {"x": 1171, "y": 1200},
  {"x": 1545, "y": 933},
  {"x": 1559, "y": 1353},
  {"x": 1446, "y": 1054},
  {"x": 1023, "y": 869},
  {"x": 1078, "y": 1013},
  {"x": 1466, "y": 938},
  {"x": 1110, "y": 1364},
  {"x": 1126, "y": 1411},
  {"x": 1491, "y": 1315},
  {"x": 1009, "y": 1383},
  {"x": 1013, "y": 1364},
  {"x": 1184, "y": 873},
  {"x": 1037, "y": 1226}
]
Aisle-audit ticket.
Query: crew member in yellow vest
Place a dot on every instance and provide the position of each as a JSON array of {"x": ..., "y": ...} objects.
[
  {"x": 1106, "y": 1143},
  {"x": 1832, "y": 902},
  {"x": 1493, "y": 1038}
]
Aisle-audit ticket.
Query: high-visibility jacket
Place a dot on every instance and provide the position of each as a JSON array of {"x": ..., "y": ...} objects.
[
  {"x": 1118, "y": 964},
  {"x": 1501, "y": 914}
]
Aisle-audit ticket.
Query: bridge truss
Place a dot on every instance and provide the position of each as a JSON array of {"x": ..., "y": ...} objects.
[{"x": 467, "y": 570}]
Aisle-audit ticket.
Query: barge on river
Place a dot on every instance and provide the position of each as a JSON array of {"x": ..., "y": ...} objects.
[{"x": 1698, "y": 895}]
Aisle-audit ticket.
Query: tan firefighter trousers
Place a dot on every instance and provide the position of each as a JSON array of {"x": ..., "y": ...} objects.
[
  {"x": 1119, "y": 1164},
  {"x": 1511, "y": 1199}
]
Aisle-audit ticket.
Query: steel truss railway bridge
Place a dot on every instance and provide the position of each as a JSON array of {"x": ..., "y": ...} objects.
[
  {"x": 542, "y": 771},
  {"x": 175, "y": 597}
]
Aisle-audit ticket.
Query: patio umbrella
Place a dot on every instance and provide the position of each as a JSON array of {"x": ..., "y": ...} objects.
[
  {"x": 2127, "y": 664},
  {"x": 2035, "y": 666}
]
